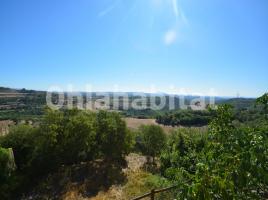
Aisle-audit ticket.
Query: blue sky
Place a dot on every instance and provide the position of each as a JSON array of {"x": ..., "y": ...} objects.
[{"x": 191, "y": 45}]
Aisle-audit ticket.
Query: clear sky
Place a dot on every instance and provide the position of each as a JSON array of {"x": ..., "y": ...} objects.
[{"x": 192, "y": 45}]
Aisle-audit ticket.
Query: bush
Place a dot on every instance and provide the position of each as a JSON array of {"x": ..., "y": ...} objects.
[
  {"x": 22, "y": 140},
  {"x": 186, "y": 118},
  {"x": 152, "y": 140},
  {"x": 4, "y": 170},
  {"x": 7, "y": 181},
  {"x": 183, "y": 148},
  {"x": 66, "y": 138},
  {"x": 113, "y": 138},
  {"x": 232, "y": 164}
]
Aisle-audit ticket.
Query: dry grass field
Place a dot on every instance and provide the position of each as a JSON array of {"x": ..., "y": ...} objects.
[{"x": 134, "y": 123}]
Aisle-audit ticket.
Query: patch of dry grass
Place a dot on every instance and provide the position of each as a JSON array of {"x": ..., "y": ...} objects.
[
  {"x": 136, "y": 183},
  {"x": 134, "y": 123}
]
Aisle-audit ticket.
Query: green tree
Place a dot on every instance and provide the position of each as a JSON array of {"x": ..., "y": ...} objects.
[
  {"x": 153, "y": 140},
  {"x": 232, "y": 164},
  {"x": 263, "y": 100},
  {"x": 182, "y": 152},
  {"x": 7, "y": 181},
  {"x": 4, "y": 170},
  {"x": 22, "y": 140},
  {"x": 64, "y": 137},
  {"x": 113, "y": 138}
]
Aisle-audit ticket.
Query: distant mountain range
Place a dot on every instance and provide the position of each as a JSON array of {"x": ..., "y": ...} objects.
[{"x": 21, "y": 103}]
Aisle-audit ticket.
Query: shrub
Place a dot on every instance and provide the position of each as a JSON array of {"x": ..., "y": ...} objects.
[
  {"x": 153, "y": 140},
  {"x": 182, "y": 151},
  {"x": 65, "y": 138},
  {"x": 22, "y": 140},
  {"x": 113, "y": 138},
  {"x": 232, "y": 165},
  {"x": 7, "y": 181}
]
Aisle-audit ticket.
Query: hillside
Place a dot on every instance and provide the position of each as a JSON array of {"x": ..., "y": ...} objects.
[{"x": 23, "y": 104}]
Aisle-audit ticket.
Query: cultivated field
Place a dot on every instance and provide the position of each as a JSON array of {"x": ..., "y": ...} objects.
[{"x": 134, "y": 123}]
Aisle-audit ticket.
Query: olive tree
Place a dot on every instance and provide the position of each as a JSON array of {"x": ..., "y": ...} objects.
[
  {"x": 113, "y": 138},
  {"x": 153, "y": 140}
]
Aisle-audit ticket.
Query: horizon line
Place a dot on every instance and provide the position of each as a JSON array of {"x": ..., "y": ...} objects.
[{"x": 138, "y": 92}]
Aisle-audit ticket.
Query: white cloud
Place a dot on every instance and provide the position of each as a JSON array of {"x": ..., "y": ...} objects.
[{"x": 170, "y": 37}]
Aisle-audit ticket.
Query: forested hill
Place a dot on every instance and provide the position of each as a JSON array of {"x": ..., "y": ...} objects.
[
  {"x": 238, "y": 103},
  {"x": 12, "y": 90},
  {"x": 7, "y": 90},
  {"x": 18, "y": 104}
]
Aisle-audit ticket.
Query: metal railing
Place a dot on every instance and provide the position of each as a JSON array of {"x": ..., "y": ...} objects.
[{"x": 154, "y": 192}]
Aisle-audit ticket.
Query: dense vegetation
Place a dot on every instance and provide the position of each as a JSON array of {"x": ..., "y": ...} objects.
[
  {"x": 151, "y": 140},
  {"x": 185, "y": 118},
  {"x": 227, "y": 160},
  {"x": 63, "y": 138},
  {"x": 22, "y": 104},
  {"x": 243, "y": 112}
]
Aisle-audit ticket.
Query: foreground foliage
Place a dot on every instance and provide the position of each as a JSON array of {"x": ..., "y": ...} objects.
[
  {"x": 151, "y": 140},
  {"x": 63, "y": 138},
  {"x": 231, "y": 164},
  {"x": 227, "y": 161}
]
